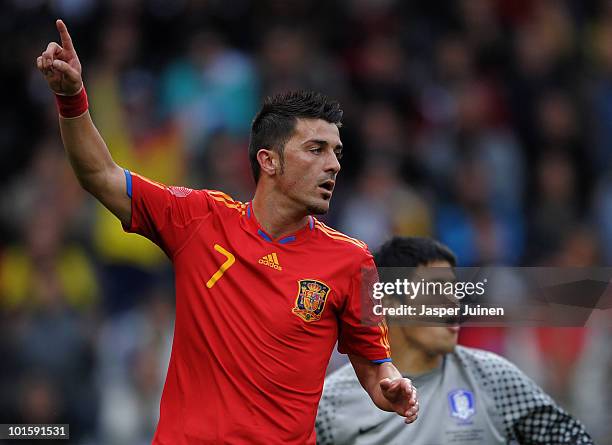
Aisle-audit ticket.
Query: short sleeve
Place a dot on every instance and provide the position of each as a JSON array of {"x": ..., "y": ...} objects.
[
  {"x": 362, "y": 332},
  {"x": 166, "y": 215}
]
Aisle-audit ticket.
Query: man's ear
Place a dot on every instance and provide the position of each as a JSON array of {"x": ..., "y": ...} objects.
[{"x": 268, "y": 161}]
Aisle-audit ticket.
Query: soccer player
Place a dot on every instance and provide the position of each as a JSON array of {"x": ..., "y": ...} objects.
[
  {"x": 263, "y": 288},
  {"x": 467, "y": 396}
]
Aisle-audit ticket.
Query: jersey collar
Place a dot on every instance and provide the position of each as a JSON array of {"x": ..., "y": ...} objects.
[{"x": 253, "y": 226}]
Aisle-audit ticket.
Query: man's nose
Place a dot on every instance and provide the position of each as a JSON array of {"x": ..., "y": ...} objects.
[{"x": 332, "y": 165}]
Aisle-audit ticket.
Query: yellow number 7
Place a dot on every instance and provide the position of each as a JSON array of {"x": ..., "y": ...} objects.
[{"x": 228, "y": 263}]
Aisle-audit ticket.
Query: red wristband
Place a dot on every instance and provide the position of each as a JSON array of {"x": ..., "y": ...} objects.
[{"x": 72, "y": 106}]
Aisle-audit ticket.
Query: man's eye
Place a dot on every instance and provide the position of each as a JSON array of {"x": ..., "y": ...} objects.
[
  {"x": 316, "y": 149},
  {"x": 339, "y": 154}
]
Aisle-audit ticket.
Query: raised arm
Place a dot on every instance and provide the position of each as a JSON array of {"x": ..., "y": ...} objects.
[
  {"x": 387, "y": 388},
  {"x": 90, "y": 159}
]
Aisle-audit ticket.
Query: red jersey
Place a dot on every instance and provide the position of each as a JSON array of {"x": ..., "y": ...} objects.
[{"x": 256, "y": 318}]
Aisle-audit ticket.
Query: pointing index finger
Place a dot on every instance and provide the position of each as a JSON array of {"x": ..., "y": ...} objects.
[{"x": 63, "y": 32}]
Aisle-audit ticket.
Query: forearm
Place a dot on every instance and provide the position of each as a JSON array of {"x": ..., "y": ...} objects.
[
  {"x": 370, "y": 376},
  {"x": 87, "y": 152}
]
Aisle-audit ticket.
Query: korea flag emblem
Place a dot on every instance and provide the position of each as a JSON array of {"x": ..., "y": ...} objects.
[{"x": 461, "y": 404}]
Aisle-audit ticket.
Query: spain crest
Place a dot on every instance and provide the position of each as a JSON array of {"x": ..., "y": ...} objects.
[{"x": 310, "y": 302}]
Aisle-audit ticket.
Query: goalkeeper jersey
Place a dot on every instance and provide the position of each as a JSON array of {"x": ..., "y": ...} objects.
[
  {"x": 256, "y": 318},
  {"x": 474, "y": 398}
]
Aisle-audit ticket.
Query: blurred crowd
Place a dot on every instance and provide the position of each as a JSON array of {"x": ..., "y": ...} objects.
[{"x": 486, "y": 124}]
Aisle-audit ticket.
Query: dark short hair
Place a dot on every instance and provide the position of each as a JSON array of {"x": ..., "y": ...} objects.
[
  {"x": 275, "y": 123},
  {"x": 412, "y": 252}
]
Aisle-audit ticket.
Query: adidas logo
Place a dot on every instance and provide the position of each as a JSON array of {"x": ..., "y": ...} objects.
[{"x": 270, "y": 260}]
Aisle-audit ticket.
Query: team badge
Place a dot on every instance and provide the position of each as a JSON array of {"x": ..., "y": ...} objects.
[
  {"x": 461, "y": 403},
  {"x": 310, "y": 302}
]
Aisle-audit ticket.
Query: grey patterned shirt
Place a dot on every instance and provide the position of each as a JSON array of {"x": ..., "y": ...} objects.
[{"x": 474, "y": 398}]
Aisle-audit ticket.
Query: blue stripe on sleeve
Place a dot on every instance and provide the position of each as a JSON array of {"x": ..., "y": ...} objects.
[
  {"x": 383, "y": 360},
  {"x": 128, "y": 182}
]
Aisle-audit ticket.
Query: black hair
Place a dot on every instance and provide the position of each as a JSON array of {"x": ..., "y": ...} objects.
[
  {"x": 275, "y": 123},
  {"x": 412, "y": 252}
]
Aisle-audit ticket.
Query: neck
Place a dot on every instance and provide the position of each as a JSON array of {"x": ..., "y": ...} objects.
[
  {"x": 410, "y": 358},
  {"x": 277, "y": 214}
]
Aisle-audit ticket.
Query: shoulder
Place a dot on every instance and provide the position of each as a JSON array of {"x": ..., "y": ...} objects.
[
  {"x": 223, "y": 202},
  {"x": 503, "y": 380},
  {"x": 485, "y": 364},
  {"x": 340, "y": 240},
  {"x": 475, "y": 355},
  {"x": 528, "y": 413},
  {"x": 194, "y": 204}
]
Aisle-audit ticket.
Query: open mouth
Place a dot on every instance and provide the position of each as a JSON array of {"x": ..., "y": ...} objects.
[{"x": 328, "y": 185}]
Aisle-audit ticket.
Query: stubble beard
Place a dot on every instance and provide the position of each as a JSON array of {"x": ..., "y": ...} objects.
[
  {"x": 314, "y": 206},
  {"x": 316, "y": 210}
]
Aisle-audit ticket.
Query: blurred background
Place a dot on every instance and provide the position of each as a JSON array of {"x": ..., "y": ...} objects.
[{"x": 484, "y": 123}]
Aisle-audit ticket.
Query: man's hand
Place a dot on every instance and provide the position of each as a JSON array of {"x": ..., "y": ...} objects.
[
  {"x": 387, "y": 388},
  {"x": 60, "y": 64},
  {"x": 402, "y": 397}
]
